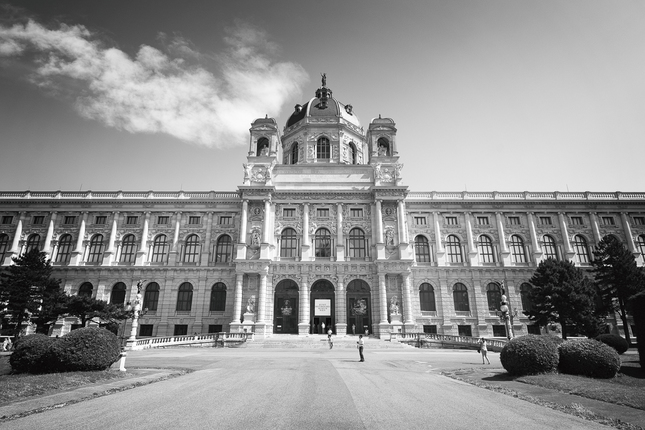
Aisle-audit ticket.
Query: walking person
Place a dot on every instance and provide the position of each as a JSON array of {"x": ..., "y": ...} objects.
[
  {"x": 484, "y": 350},
  {"x": 331, "y": 343},
  {"x": 360, "y": 343}
]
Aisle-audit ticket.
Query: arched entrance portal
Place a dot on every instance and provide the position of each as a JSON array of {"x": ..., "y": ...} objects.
[
  {"x": 359, "y": 309},
  {"x": 285, "y": 313},
  {"x": 322, "y": 307}
]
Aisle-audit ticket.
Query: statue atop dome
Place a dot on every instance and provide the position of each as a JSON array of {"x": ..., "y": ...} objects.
[{"x": 324, "y": 79}]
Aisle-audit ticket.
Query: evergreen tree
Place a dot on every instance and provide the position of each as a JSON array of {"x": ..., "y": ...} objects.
[
  {"x": 617, "y": 276},
  {"x": 28, "y": 291},
  {"x": 89, "y": 309},
  {"x": 561, "y": 293}
]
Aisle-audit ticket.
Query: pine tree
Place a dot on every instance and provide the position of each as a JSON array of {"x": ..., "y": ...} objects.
[{"x": 617, "y": 276}]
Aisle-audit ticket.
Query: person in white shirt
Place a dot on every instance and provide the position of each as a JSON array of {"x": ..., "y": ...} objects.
[{"x": 361, "y": 343}]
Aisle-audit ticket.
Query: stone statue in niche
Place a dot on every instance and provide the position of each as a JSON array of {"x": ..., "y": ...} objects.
[
  {"x": 394, "y": 306},
  {"x": 382, "y": 151},
  {"x": 250, "y": 305},
  {"x": 389, "y": 237},
  {"x": 255, "y": 238}
]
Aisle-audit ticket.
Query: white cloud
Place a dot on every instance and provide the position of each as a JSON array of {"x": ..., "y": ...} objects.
[{"x": 161, "y": 91}]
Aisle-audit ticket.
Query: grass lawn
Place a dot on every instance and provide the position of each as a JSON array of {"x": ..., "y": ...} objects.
[
  {"x": 21, "y": 386},
  {"x": 627, "y": 388}
]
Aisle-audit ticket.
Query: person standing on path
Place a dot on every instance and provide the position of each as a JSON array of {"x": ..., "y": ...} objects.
[
  {"x": 329, "y": 333},
  {"x": 484, "y": 350},
  {"x": 360, "y": 343}
]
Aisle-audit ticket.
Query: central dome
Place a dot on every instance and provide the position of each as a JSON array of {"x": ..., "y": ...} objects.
[{"x": 323, "y": 105}]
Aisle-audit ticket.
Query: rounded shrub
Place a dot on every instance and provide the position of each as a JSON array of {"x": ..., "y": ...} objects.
[
  {"x": 588, "y": 357},
  {"x": 556, "y": 340},
  {"x": 615, "y": 341},
  {"x": 30, "y": 354},
  {"x": 85, "y": 349},
  {"x": 529, "y": 355}
]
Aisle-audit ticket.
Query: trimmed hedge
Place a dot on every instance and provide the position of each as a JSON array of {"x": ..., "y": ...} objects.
[
  {"x": 30, "y": 354},
  {"x": 615, "y": 341},
  {"x": 529, "y": 355},
  {"x": 556, "y": 340},
  {"x": 588, "y": 357},
  {"x": 85, "y": 349}
]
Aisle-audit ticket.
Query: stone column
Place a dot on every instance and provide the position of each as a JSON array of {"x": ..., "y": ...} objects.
[
  {"x": 305, "y": 314},
  {"x": 593, "y": 216},
  {"x": 472, "y": 246},
  {"x": 341, "y": 309},
  {"x": 237, "y": 307},
  {"x": 537, "y": 251},
  {"x": 441, "y": 253},
  {"x": 142, "y": 254},
  {"x": 628, "y": 234},
  {"x": 77, "y": 254},
  {"x": 47, "y": 248},
  {"x": 206, "y": 249},
  {"x": 379, "y": 222},
  {"x": 382, "y": 295},
  {"x": 174, "y": 250},
  {"x": 15, "y": 243},
  {"x": 341, "y": 252},
  {"x": 262, "y": 295},
  {"x": 306, "y": 246},
  {"x": 408, "y": 314},
  {"x": 110, "y": 254},
  {"x": 267, "y": 215},
  {"x": 403, "y": 234},
  {"x": 506, "y": 254},
  {"x": 569, "y": 253}
]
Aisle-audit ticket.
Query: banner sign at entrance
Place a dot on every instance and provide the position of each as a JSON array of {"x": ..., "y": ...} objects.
[{"x": 322, "y": 307}]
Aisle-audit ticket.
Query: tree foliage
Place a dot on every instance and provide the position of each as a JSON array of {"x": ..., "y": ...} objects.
[
  {"x": 617, "y": 276},
  {"x": 561, "y": 293},
  {"x": 28, "y": 291},
  {"x": 90, "y": 309}
]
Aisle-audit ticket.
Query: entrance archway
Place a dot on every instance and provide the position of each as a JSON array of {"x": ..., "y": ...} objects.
[
  {"x": 285, "y": 319},
  {"x": 322, "y": 307},
  {"x": 359, "y": 309}
]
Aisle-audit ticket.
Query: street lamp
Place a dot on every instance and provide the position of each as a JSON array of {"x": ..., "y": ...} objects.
[
  {"x": 136, "y": 312},
  {"x": 506, "y": 316}
]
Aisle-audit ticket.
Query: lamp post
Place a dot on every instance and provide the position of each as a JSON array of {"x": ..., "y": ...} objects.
[
  {"x": 506, "y": 316},
  {"x": 136, "y": 311}
]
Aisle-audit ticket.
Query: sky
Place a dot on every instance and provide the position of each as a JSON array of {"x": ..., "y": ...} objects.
[{"x": 160, "y": 95}]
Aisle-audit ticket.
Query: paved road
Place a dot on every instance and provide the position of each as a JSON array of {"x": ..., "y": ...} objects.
[{"x": 298, "y": 389}]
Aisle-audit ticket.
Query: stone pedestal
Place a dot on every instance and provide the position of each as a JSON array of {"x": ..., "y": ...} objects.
[
  {"x": 396, "y": 324},
  {"x": 248, "y": 323}
]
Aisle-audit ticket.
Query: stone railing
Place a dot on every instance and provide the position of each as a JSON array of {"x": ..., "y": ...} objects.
[
  {"x": 421, "y": 340},
  {"x": 525, "y": 196},
  {"x": 212, "y": 339},
  {"x": 118, "y": 195}
]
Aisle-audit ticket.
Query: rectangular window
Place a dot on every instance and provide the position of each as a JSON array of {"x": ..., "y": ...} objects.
[
  {"x": 145, "y": 330},
  {"x": 322, "y": 212},
  {"x": 38, "y": 219},
  {"x": 100, "y": 219},
  {"x": 225, "y": 220},
  {"x": 514, "y": 220},
  {"x": 194, "y": 220},
  {"x": 430, "y": 329},
  {"x": 608, "y": 220},
  {"x": 215, "y": 328},
  {"x": 451, "y": 220},
  {"x": 465, "y": 330},
  {"x": 499, "y": 330},
  {"x": 576, "y": 220},
  {"x": 639, "y": 220},
  {"x": 288, "y": 212},
  {"x": 70, "y": 220},
  {"x": 482, "y": 220},
  {"x": 7, "y": 219},
  {"x": 163, "y": 219},
  {"x": 356, "y": 213},
  {"x": 545, "y": 220},
  {"x": 131, "y": 220},
  {"x": 420, "y": 220},
  {"x": 180, "y": 330}
]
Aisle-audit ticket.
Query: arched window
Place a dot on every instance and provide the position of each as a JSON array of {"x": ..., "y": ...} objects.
[
  {"x": 151, "y": 296},
  {"x": 548, "y": 247},
  {"x": 288, "y": 243},
  {"x": 525, "y": 294},
  {"x": 4, "y": 247},
  {"x": 422, "y": 249},
  {"x": 33, "y": 242},
  {"x": 185, "y": 297},
  {"x": 352, "y": 153},
  {"x": 294, "y": 153},
  {"x": 263, "y": 147},
  {"x": 453, "y": 248},
  {"x": 517, "y": 249},
  {"x": 117, "y": 297},
  {"x": 460, "y": 297},
  {"x": 494, "y": 296},
  {"x": 218, "y": 297},
  {"x": 357, "y": 243},
  {"x": 383, "y": 146},
  {"x": 223, "y": 249},
  {"x": 128, "y": 249},
  {"x": 64, "y": 249},
  {"x": 85, "y": 290},
  {"x": 322, "y": 241},
  {"x": 323, "y": 149},
  {"x": 426, "y": 297},
  {"x": 486, "y": 250},
  {"x": 159, "y": 249},
  {"x": 581, "y": 249},
  {"x": 191, "y": 249},
  {"x": 640, "y": 244},
  {"x": 96, "y": 249}
]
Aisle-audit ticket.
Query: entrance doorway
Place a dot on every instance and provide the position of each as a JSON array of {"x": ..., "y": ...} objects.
[
  {"x": 359, "y": 310},
  {"x": 322, "y": 307},
  {"x": 285, "y": 310}
]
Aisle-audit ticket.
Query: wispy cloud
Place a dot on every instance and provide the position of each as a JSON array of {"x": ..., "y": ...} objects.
[{"x": 204, "y": 98}]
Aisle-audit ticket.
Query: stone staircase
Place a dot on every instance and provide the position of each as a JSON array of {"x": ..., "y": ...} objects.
[{"x": 320, "y": 342}]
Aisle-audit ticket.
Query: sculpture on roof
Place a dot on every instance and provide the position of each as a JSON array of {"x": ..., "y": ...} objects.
[{"x": 324, "y": 79}]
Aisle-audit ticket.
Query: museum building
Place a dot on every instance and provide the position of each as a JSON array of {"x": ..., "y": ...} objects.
[{"x": 320, "y": 234}]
